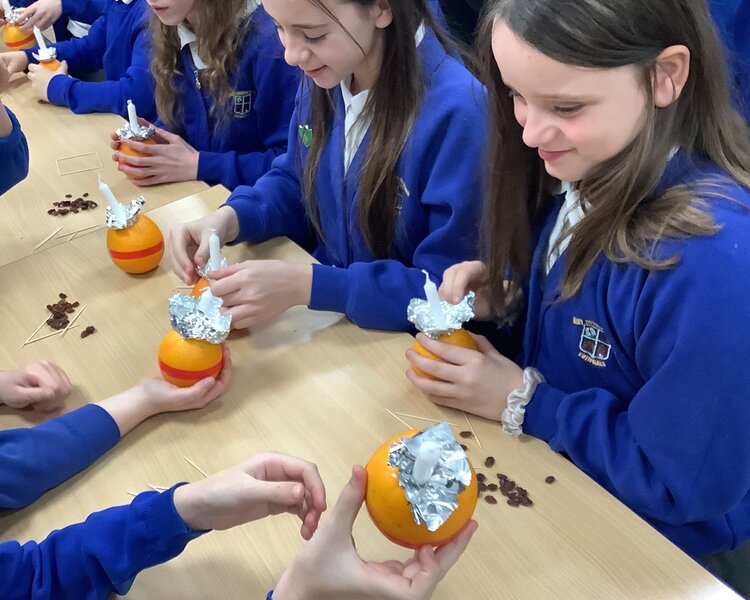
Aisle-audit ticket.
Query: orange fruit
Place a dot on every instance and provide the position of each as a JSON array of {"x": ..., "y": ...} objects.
[
  {"x": 460, "y": 337},
  {"x": 184, "y": 362},
  {"x": 391, "y": 512},
  {"x": 130, "y": 152},
  {"x": 52, "y": 65},
  {"x": 18, "y": 39},
  {"x": 137, "y": 249},
  {"x": 199, "y": 288}
]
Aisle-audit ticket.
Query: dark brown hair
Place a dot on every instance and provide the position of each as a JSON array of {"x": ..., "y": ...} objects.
[
  {"x": 623, "y": 218},
  {"x": 392, "y": 105}
]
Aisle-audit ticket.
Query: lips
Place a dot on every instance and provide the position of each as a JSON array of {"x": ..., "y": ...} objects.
[
  {"x": 314, "y": 72},
  {"x": 550, "y": 155}
]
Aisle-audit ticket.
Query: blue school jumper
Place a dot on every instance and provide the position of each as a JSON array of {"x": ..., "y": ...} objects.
[
  {"x": 647, "y": 374},
  {"x": 732, "y": 19},
  {"x": 14, "y": 155},
  {"x": 85, "y": 11},
  {"x": 242, "y": 149},
  {"x": 118, "y": 43},
  {"x": 439, "y": 200}
]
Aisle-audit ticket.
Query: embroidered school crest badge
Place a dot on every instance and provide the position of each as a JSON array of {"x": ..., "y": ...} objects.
[
  {"x": 305, "y": 134},
  {"x": 243, "y": 104},
  {"x": 593, "y": 346}
]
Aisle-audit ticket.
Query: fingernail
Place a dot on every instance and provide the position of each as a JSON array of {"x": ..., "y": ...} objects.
[{"x": 297, "y": 491}]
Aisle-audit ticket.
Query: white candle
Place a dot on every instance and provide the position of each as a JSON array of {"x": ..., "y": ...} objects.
[
  {"x": 40, "y": 42},
  {"x": 108, "y": 196},
  {"x": 427, "y": 459},
  {"x": 433, "y": 300},
  {"x": 7, "y": 8},
  {"x": 133, "y": 117},
  {"x": 214, "y": 251}
]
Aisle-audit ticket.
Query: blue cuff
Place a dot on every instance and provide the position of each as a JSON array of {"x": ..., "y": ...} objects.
[
  {"x": 250, "y": 215},
  {"x": 211, "y": 167},
  {"x": 30, "y": 54},
  {"x": 270, "y": 595},
  {"x": 58, "y": 88},
  {"x": 540, "y": 420},
  {"x": 330, "y": 288}
]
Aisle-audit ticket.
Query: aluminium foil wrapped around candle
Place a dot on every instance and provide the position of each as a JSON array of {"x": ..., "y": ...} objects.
[
  {"x": 434, "y": 502},
  {"x": 205, "y": 269},
  {"x": 194, "y": 324},
  {"x": 418, "y": 312},
  {"x": 127, "y": 133},
  {"x": 127, "y": 217},
  {"x": 46, "y": 55}
]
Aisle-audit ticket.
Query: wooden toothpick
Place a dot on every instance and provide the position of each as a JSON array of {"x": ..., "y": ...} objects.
[
  {"x": 479, "y": 443},
  {"x": 404, "y": 423},
  {"x": 423, "y": 419},
  {"x": 131, "y": 494},
  {"x": 28, "y": 339},
  {"x": 196, "y": 467},
  {"x": 78, "y": 314},
  {"x": 49, "y": 335},
  {"x": 48, "y": 238}
]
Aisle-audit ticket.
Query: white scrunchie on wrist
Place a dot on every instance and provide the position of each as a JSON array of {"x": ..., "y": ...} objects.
[{"x": 513, "y": 415}]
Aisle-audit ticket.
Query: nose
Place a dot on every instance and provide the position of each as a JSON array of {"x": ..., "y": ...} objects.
[
  {"x": 295, "y": 53},
  {"x": 538, "y": 129}
]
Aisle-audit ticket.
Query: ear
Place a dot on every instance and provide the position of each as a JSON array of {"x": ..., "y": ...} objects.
[
  {"x": 383, "y": 13},
  {"x": 671, "y": 74}
]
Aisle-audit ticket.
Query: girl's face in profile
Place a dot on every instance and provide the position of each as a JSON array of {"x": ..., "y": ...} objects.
[
  {"x": 318, "y": 45},
  {"x": 577, "y": 117}
]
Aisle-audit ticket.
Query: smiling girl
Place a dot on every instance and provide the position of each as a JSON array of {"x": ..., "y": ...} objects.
[
  {"x": 636, "y": 276},
  {"x": 381, "y": 178},
  {"x": 224, "y": 94}
]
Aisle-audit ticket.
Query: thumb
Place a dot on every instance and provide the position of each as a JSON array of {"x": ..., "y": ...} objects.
[
  {"x": 350, "y": 501},
  {"x": 280, "y": 493},
  {"x": 201, "y": 255}
]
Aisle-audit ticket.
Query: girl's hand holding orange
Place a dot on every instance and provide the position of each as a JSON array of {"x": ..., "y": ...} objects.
[
  {"x": 329, "y": 567},
  {"x": 477, "y": 381},
  {"x": 171, "y": 159},
  {"x": 40, "y": 78},
  {"x": 255, "y": 291}
]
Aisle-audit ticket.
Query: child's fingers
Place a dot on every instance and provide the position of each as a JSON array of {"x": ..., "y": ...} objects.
[
  {"x": 434, "y": 387},
  {"x": 441, "y": 370}
]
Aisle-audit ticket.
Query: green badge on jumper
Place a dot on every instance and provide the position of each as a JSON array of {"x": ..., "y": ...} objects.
[{"x": 305, "y": 134}]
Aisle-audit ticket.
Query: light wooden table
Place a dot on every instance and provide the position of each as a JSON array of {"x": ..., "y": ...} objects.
[
  {"x": 313, "y": 385},
  {"x": 55, "y": 133}
]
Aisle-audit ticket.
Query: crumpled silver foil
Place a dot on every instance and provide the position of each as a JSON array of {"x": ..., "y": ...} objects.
[
  {"x": 14, "y": 16},
  {"x": 433, "y": 502},
  {"x": 143, "y": 133},
  {"x": 42, "y": 56},
  {"x": 127, "y": 216},
  {"x": 418, "y": 312},
  {"x": 205, "y": 269},
  {"x": 191, "y": 322}
]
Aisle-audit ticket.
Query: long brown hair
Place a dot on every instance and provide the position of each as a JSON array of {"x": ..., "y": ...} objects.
[
  {"x": 623, "y": 218},
  {"x": 220, "y": 28},
  {"x": 392, "y": 105}
]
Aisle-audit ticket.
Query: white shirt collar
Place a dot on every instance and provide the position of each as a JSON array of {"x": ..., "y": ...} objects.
[
  {"x": 187, "y": 37},
  {"x": 125, "y": 1}
]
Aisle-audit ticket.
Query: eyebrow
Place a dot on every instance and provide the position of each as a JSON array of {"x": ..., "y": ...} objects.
[
  {"x": 556, "y": 97},
  {"x": 309, "y": 25}
]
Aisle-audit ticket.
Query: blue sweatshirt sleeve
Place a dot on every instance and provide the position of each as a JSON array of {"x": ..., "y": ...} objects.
[
  {"x": 96, "y": 558},
  {"x": 677, "y": 451},
  {"x": 445, "y": 173},
  {"x": 14, "y": 155},
  {"x": 275, "y": 84},
  {"x": 85, "y": 11},
  {"x": 107, "y": 96},
  {"x": 34, "y": 460},
  {"x": 84, "y": 54}
]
